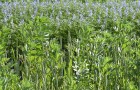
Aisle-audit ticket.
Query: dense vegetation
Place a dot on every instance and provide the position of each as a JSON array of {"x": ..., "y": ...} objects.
[{"x": 71, "y": 45}]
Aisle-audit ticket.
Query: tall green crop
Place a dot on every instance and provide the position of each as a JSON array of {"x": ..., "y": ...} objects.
[{"x": 69, "y": 45}]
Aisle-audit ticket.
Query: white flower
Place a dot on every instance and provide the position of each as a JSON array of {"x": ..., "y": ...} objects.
[
  {"x": 78, "y": 72},
  {"x": 119, "y": 49}
]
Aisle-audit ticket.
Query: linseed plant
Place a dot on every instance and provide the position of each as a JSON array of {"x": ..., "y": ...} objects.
[{"x": 69, "y": 45}]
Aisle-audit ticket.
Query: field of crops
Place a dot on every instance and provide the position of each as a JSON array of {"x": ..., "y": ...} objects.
[{"x": 70, "y": 45}]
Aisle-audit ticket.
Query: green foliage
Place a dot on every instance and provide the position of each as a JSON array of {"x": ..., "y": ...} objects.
[{"x": 71, "y": 45}]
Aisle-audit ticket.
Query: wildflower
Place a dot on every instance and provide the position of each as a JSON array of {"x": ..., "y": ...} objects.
[
  {"x": 87, "y": 3},
  {"x": 133, "y": 16},
  {"x": 78, "y": 72},
  {"x": 1, "y": 4},
  {"x": 35, "y": 11},
  {"x": 106, "y": 11},
  {"x": 21, "y": 22},
  {"x": 90, "y": 13},
  {"x": 138, "y": 3},
  {"x": 124, "y": 3},
  {"x": 67, "y": 11},
  {"x": 81, "y": 17}
]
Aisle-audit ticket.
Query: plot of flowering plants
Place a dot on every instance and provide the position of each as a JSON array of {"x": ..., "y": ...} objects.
[{"x": 70, "y": 45}]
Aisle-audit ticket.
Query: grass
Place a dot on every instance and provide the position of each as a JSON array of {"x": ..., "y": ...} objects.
[{"x": 69, "y": 45}]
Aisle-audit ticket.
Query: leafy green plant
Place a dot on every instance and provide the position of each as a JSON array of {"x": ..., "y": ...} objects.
[{"x": 75, "y": 45}]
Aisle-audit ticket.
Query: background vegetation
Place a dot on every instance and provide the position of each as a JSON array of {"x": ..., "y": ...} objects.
[{"x": 70, "y": 45}]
